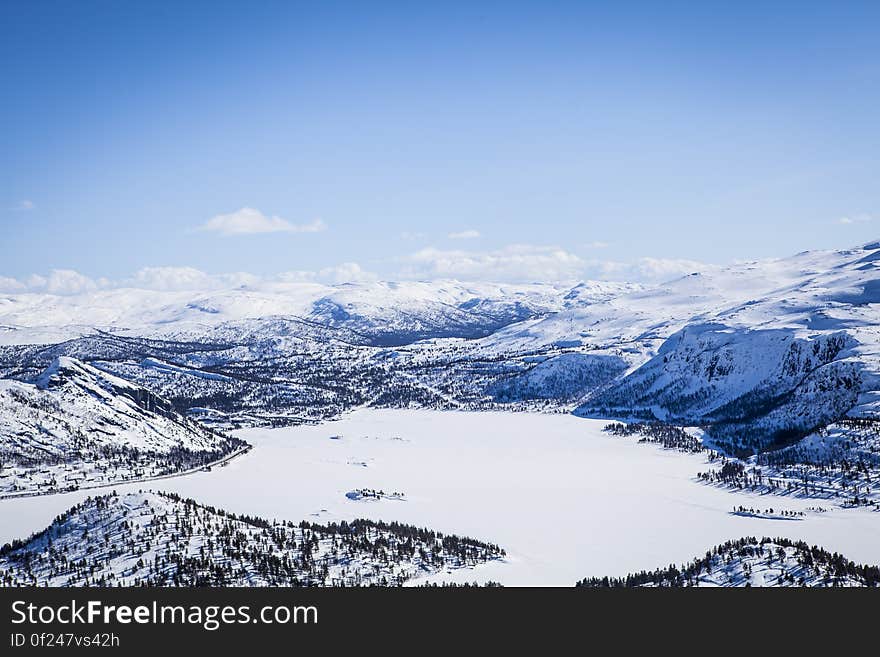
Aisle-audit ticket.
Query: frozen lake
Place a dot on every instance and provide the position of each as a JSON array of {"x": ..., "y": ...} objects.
[{"x": 564, "y": 499}]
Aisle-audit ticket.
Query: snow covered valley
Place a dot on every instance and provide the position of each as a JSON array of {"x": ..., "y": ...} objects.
[{"x": 564, "y": 499}]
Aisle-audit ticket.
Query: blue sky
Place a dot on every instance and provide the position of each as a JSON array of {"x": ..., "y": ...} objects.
[{"x": 450, "y": 139}]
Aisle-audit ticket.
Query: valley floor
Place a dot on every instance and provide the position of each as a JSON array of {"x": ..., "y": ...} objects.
[{"x": 565, "y": 500}]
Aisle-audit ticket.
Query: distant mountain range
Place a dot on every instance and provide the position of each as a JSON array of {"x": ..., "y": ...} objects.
[
  {"x": 760, "y": 354},
  {"x": 377, "y": 314}
]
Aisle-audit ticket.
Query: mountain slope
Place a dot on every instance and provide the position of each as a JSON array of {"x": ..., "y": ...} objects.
[
  {"x": 76, "y": 426},
  {"x": 160, "y": 539},
  {"x": 764, "y": 371},
  {"x": 755, "y": 389}
]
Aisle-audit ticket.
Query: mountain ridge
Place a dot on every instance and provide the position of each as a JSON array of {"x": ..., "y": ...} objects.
[
  {"x": 762, "y": 352},
  {"x": 75, "y": 426}
]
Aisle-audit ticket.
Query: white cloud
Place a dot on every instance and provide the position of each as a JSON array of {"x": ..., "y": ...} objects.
[
  {"x": 469, "y": 234},
  {"x": 347, "y": 272},
  {"x": 661, "y": 269},
  {"x": 513, "y": 263},
  {"x": 249, "y": 221},
  {"x": 24, "y": 205},
  {"x": 11, "y": 285},
  {"x": 184, "y": 278},
  {"x": 522, "y": 262},
  {"x": 649, "y": 270},
  {"x": 297, "y": 276},
  {"x": 179, "y": 279},
  {"x": 855, "y": 219},
  {"x": 36, "y": 282},
  {"x": 170, "y": 278},
  {"x": 61, "y": 281}
]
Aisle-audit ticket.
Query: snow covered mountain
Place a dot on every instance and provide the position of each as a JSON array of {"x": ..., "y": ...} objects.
[
  {"x": 76, "y": 426},
  {"x": 382, "y": 314},
  {"x": 160, "y": 539},
  {"x": 761, "y": 353},
  {"x": 757, "y": 389},
  {"x": 761, "y": 370},
  {"x": 744, "y": 562}
]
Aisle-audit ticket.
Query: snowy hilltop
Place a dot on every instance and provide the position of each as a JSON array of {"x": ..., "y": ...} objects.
[
  {"x": 160, "y": 539},
  {"x": 775, "y": 562}
]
